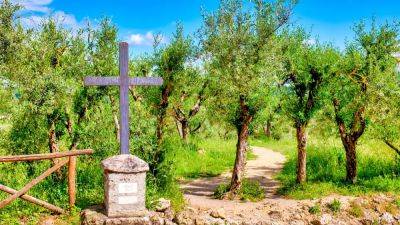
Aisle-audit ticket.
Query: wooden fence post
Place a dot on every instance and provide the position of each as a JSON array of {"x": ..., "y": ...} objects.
[{"x": 72, "y": 181}]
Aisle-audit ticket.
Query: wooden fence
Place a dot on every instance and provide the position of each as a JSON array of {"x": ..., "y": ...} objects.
[{"x": 71, "y": 161}]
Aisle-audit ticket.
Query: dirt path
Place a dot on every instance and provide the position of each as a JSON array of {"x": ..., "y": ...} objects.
[
  {"x": 275, "y": 209},
  {"x": 267, "y": 163}
]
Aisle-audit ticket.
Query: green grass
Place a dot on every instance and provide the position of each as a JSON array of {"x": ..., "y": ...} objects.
[
  {"x": 378, "y": 168},
  {"x": 356, "y": 210},
  {"x": 250, "y": 190},
  {"x": 207, "y": 158}
]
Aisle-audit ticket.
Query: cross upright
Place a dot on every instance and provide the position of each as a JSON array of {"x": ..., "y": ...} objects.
[{"x": 123, "y": 81}]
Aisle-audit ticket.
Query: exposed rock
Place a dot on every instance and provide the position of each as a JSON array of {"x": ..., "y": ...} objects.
[
  {"x": 387, "y": 218},
  {"x": 380, "y": 198},
  {"x": 231, "y": 222},
  {"x": 184, "y": 218},
  {"x": 163, "y": 205},
  {"x": 93, "y": 216},
  {"x": 218, "y": 213},
  {"x": 128, "y": 221},
  {"x": 201, "y": 221},
  {"x": 157, "y": 220},
  {"x": 169, "y": 222},
  {"x": 297, "y": 222},
  {"x": 275, "y": 214},
  {"x": 325, "y": 219},
  {"x": 169, "y": 214}
]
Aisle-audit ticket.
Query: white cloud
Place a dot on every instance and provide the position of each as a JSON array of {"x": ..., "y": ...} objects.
[
  {"x": 40, "y": 6},
  {"x": 136, "y": 39},
  {"x": 141, "y": 39},
  {"x": 310, "y": 41},
  {"x": 34, "y": 12},
  {"x": 60, "y": 17}
]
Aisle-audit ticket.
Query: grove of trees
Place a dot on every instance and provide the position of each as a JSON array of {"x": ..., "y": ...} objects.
[{"x": 247, "y": 64}]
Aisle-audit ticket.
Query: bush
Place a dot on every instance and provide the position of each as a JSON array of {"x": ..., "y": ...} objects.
[
  {"x": 221, "y": 190},
  {"x": 316, "y": 209},
  {"x": 335, "y": 206},
  {"x": 250, "y": 190}
]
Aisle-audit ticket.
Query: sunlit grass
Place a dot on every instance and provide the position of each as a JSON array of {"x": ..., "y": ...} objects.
[{"x": 378, "y": 168}]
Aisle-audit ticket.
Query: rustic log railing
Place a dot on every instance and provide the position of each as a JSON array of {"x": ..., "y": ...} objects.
[{"x": 71, "y": 161}]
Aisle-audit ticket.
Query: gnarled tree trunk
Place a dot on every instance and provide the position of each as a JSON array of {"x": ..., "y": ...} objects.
[
  {"x": 301, "y": 137},
  {"x": 53, "y": 147},
  {"x": 162, "y": 112},
  {"x": 349, "y": 139},
  {"x": 351, "y": 159},
  {"x": 267, "y": 129},
  {"x": 241, "y": 147}
]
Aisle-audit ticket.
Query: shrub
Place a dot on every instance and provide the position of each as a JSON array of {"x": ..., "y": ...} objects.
[
  {"x": 335, "y": 206},
  {"x": 250, "y": 190},
  {"x": 316, "y": 209},
  {"x": 221, "y": 190}
]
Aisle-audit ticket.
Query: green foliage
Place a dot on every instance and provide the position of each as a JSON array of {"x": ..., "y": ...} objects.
[
  {"x": 307, "y": 69},
  {"x": 316, "y": 209},
  {"x": 221, "y": 190},
  {"x": 366, "y": 82},
  {"x": 240, "y": 43},
  {"x": 250, "y": 190},
  {"x": 335, "y": 206}
]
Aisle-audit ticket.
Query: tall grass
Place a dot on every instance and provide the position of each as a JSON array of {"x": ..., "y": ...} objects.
[
  {"x": 378, "y": 168},
  {"x": 202, "y": 158}
]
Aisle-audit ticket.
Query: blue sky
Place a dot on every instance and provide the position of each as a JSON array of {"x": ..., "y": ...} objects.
[{"x": 138, "y": 20}]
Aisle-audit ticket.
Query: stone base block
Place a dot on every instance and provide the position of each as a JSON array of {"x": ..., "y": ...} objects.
[{"x": 96, "y": 215}]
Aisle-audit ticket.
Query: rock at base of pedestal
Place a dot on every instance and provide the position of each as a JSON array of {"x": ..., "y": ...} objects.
[{"x": 95, "y": 215}]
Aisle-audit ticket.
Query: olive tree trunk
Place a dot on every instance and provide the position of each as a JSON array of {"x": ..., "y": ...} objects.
[
  {"x": 301, "y": 137},
  {"x": 162, "y": 112},
  {"x": 351, "y": 160},
  {"x": 267, "y": 129},
  {"x": 241, "y": 147}
]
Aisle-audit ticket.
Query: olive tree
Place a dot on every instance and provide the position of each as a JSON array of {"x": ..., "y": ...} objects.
[
  {"x": 366, "y": 68},
  {"x": 306, "y": 72},
  {"x": 238, "y": 46}
]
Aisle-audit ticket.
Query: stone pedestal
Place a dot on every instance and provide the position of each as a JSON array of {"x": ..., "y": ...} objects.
[{"x": 125, "y": 186}]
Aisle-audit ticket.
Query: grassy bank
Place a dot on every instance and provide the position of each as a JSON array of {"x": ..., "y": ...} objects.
[
  {"x": 199, "y": 158},
  {"x": 202, "y": 157},
  {"x": 378, "y": 168}
]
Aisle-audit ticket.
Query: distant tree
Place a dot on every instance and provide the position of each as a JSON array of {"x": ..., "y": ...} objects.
[
  {"x": 238, "y": 47},
  {"x": 188, "y": 103},
  {"x": 307, "y": 71},
  {"x": 11, "y": 48},
  {"x": 169, "y": 63},
  {"x": 367, "y": 67}
]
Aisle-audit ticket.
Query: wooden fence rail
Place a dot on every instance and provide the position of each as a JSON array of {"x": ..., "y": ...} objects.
[{"x": 71, "y": 161}]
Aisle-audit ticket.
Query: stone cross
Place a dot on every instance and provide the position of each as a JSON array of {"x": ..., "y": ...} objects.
[{"x": 123, "y": 81}]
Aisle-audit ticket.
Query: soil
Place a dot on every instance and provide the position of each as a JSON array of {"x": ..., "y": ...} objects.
[{"x": 276, "y": 209}]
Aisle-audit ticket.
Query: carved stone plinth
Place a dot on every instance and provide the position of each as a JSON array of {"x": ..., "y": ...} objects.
[{"x": 125, "y": 186}]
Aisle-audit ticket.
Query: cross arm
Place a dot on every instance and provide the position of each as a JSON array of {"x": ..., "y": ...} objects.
[{"x": 133, "y": 81}]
